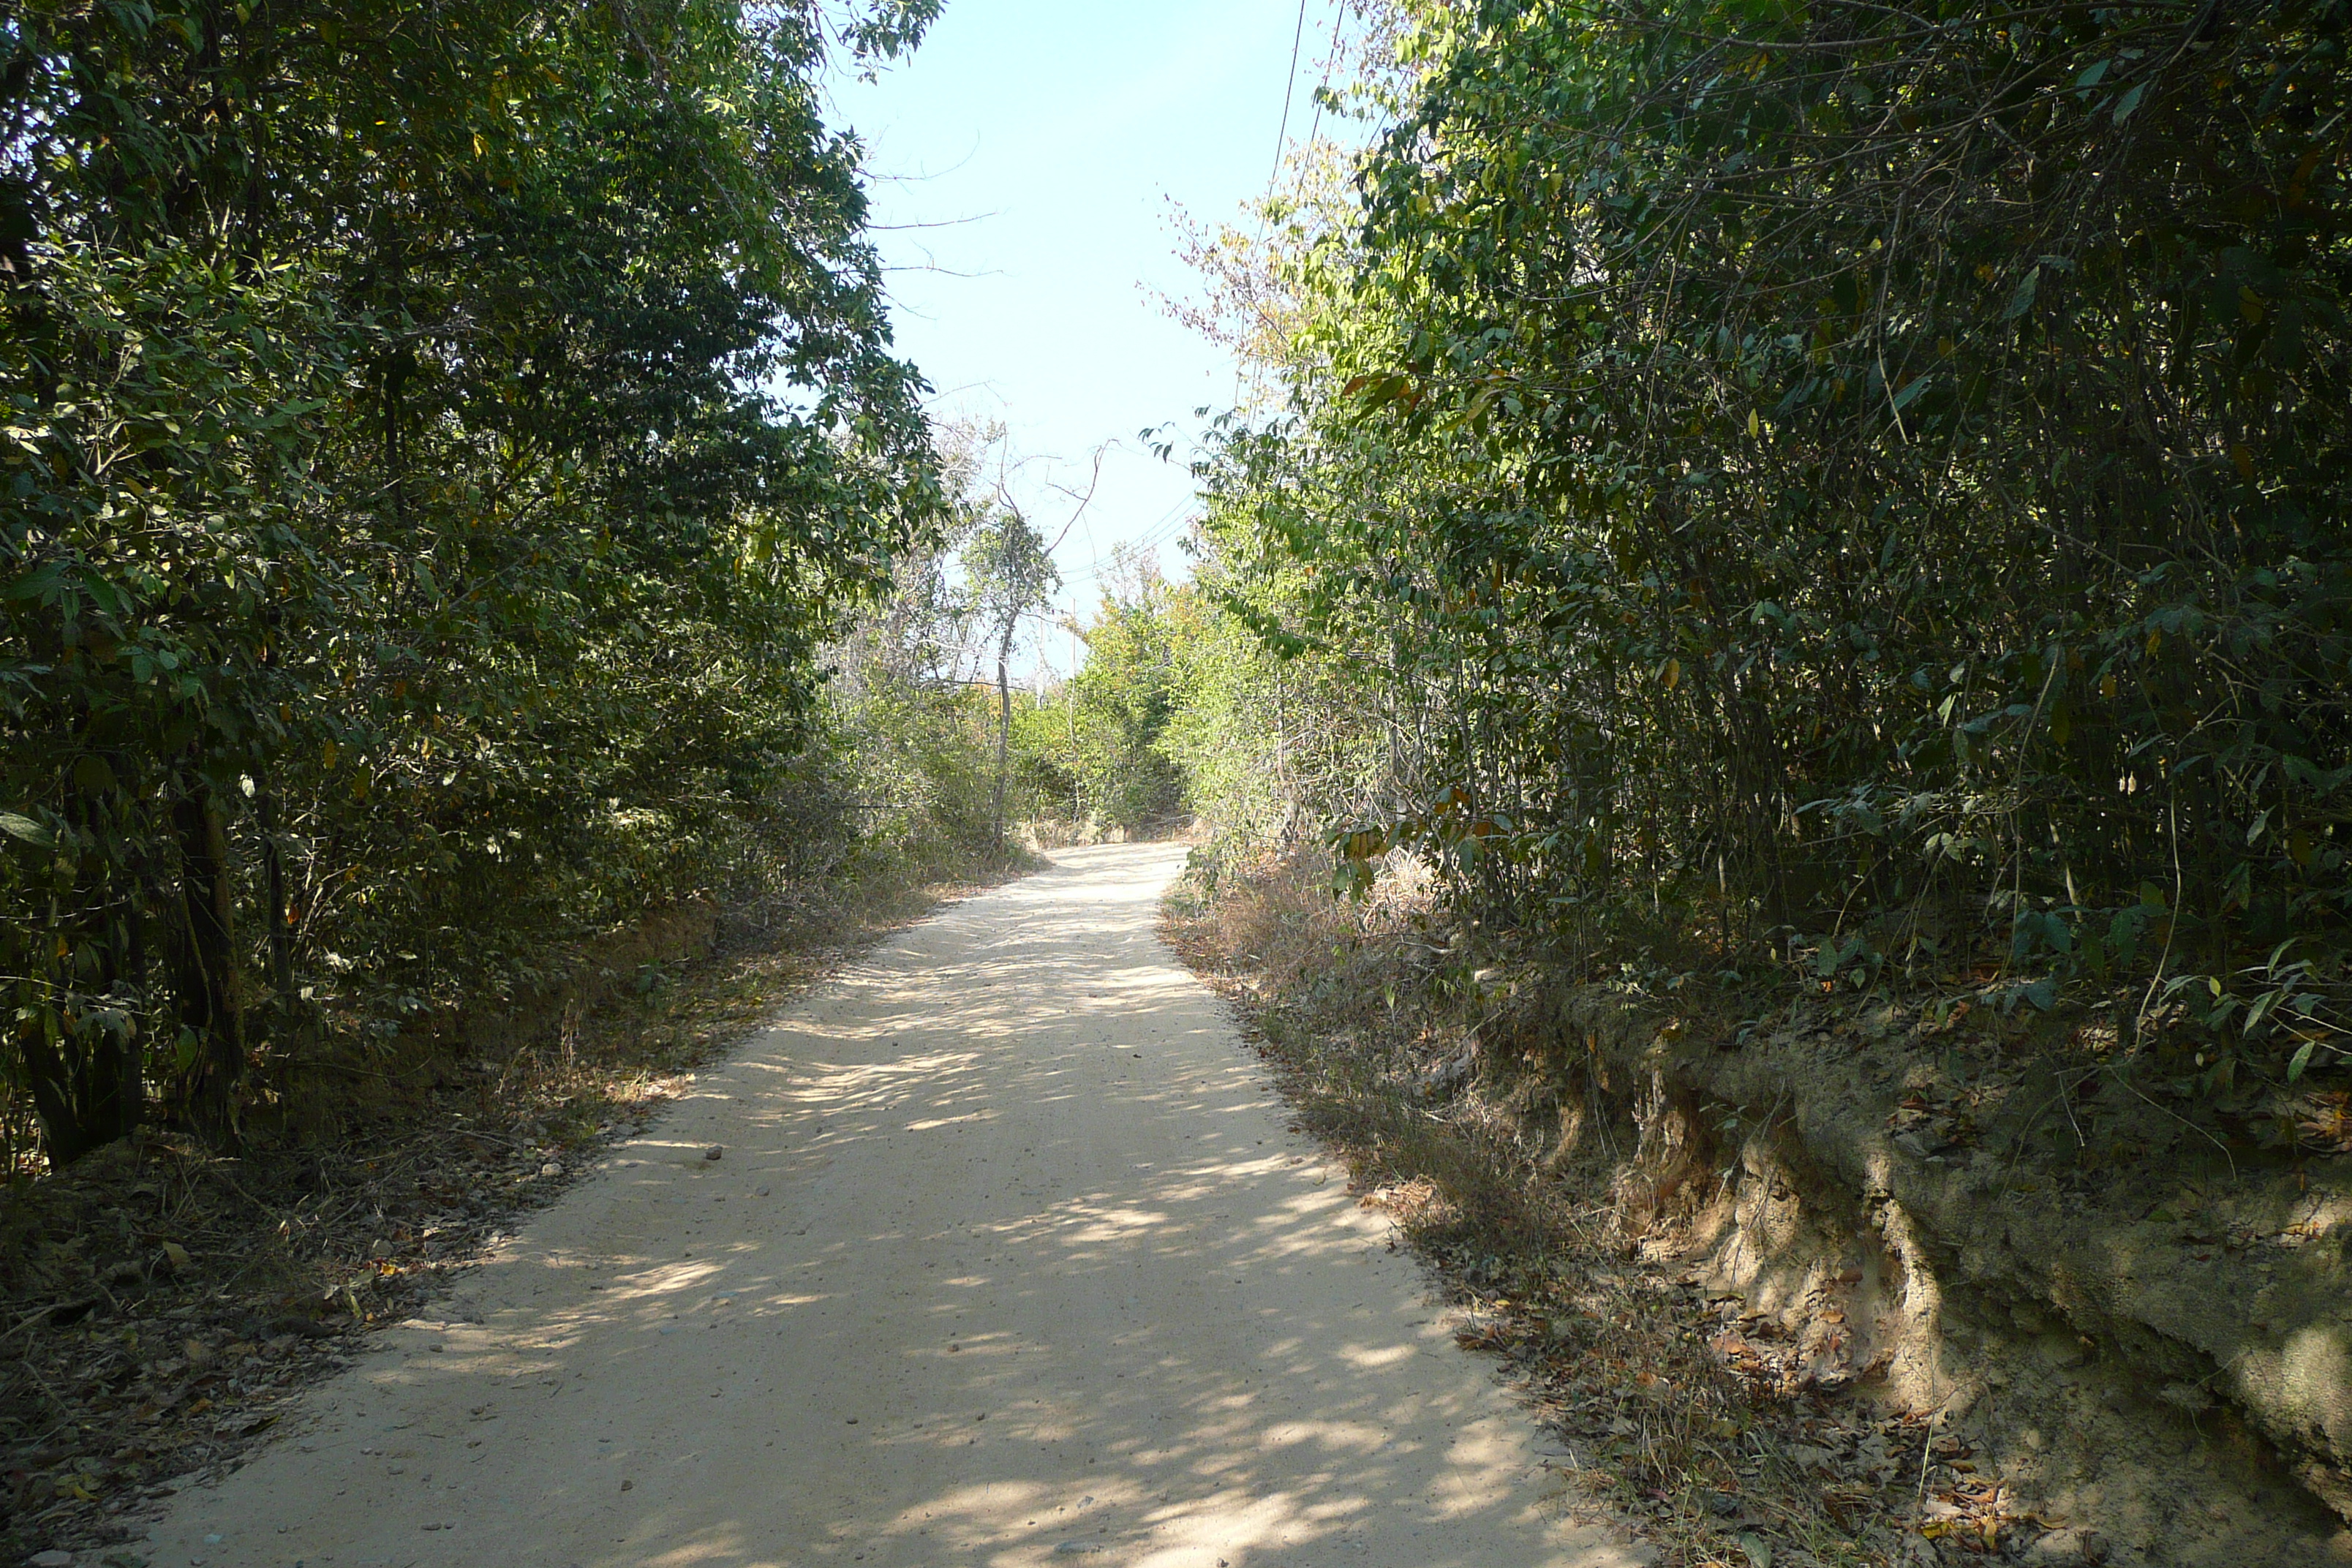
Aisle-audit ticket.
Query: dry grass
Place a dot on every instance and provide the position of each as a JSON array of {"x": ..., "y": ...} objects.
[
  {"x": 1404, "y": 1046},
  {"x": 161, "y": 1301}
]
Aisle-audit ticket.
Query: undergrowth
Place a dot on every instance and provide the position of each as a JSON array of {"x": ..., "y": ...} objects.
[
  {"x": 162, "y": 1300},
  {"x": 1376, "y": 1017}
]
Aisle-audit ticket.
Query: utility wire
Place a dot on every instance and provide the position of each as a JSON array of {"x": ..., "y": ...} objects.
[
  {"x": 1281, "y": 142},
  {"x": 1339, "y": 20},
  {"x": 1150, "y": 541},
  {"x": 1289, "y": 86}
]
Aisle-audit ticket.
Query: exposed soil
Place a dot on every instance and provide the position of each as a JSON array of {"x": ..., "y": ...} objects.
[
  {"x": 994, "y": 1248},
  {"x": 162, "y": 1301},
  {"x": 1791, "y": 1298}
]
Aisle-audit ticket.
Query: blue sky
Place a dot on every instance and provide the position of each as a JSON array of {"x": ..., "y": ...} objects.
[{"x": 1044, "y": 141}]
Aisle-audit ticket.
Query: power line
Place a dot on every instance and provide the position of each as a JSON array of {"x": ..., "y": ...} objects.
[
  {"x": 1289, "y": 86},
  {"x": 1339, "y": 20},
  {"x": 1281, "y": 142},
  {"x": 1159, "y": 529}
]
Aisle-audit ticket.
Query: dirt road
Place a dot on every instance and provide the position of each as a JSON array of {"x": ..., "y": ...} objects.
[{"x": 1008, "y": 1261}]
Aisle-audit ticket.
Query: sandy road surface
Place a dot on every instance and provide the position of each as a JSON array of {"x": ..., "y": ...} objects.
[{"x": 1008, "y": 1261}]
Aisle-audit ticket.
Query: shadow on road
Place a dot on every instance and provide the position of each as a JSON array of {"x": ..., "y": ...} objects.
[{"x": 1008, "y": 1260}]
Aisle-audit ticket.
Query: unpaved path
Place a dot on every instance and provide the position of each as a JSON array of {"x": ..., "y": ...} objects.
[{"x": 1008, "y": 1261}]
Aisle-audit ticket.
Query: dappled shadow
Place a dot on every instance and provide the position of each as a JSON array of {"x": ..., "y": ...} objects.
[{"x": 1006, "y": 1259}]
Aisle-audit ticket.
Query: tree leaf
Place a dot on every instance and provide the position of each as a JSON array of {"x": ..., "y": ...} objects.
[{"x": 2022, "y": 299}]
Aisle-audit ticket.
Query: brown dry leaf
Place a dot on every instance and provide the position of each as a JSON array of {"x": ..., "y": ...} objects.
[{"x": 2326, "y": 1119}]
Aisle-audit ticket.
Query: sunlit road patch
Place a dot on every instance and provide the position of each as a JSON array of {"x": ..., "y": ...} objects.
[{"x": 1009, "y": 1261}]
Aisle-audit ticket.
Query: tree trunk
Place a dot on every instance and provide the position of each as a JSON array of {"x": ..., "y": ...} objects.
[
  {"x": 56, "y": 1085},
  {"x": 1003, "y": 730},
  {"x": 204, "y": 980},
  {"x": 281, "y": 932},
  {"x": 88, "y": 1083},
  {"x": 86, "y": 1091}
]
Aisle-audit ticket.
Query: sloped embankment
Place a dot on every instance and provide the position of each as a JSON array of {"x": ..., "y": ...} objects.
[
  {"x": 2102, "y": 1326},
  {"x": 2142, "y": 1329}
]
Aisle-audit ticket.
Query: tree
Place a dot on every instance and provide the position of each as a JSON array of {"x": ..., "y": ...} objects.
[
  {"x": 424, "y": 430},
  {"x": 1009, "y": 572},
  {"x": 1121, "y": 702},
  {"x": 1866, "y": 480}
]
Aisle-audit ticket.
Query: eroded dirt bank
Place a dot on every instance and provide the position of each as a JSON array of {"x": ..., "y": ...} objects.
[
  {"x": 994, "y": 1250},
  {"x": 1859, "y": 1282},
  {"x": 2150, "y": 1359}
]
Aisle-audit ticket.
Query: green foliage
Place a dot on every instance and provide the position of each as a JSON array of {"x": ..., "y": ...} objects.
[
  {"x": 918, "y": 764},
  {"x": 1869, "y": 482},
  {"x": 1122, "y": 701},
  {"x": 1010, "y": 574},
  {"x": 437, "y": 445},
  {"x": 926, "y": 743}
]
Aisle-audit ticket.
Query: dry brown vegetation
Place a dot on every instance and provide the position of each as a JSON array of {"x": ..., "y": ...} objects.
[
  {"x": 1545, "y": 1196},
  {"x": 162, "y": 1301},
  {"x": 1671, "y": 1420}
]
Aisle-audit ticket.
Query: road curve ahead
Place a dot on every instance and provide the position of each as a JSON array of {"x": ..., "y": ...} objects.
[{"x": 1008, "y": 1261}]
